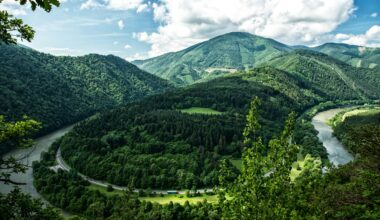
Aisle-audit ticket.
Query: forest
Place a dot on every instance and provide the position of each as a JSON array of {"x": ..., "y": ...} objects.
[
  {"x": 59, "y": 91},
  {"x": 160, "y": 147}
]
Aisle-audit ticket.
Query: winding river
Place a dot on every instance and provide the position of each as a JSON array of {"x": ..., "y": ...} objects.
[{"x": 337, "y": 153}]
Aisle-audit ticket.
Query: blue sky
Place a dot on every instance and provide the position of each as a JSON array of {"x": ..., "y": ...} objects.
[{"x": 135, "y": 29}]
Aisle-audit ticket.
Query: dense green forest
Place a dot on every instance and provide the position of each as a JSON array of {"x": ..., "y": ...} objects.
[
  {"x": 70, "y": 192},
  {"x": 61, "y": 90},
  {"x": 347, "y": 192},
  {"x": 159, "y": 146}
]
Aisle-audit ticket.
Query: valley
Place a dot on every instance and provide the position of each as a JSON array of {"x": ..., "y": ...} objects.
[{"x": 173, "y": 140}]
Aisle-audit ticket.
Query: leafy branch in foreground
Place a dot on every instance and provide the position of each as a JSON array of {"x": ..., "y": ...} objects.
[
  {"x": 15, "y": 135},
  {"x": 12, "y": 28},
  {"x": 263, "y": 189}
]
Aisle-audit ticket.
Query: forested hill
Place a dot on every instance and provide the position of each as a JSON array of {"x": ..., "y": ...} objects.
[
  {"x": 168, "y": 143},
  {"x": 63, "y": 90},
  {"x": 212, "y": 58},
  {"x": 356, "y": 56},
  {"x": 237, "y": 51},
  {"x": 336, "y": 79}
]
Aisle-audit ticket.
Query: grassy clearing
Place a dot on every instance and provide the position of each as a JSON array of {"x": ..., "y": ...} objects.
[
  {"x": 237, "y": 163},
  {"x": 341, "y": 117},
  {"x": 198, "y": 110},
  {"x": 177, "y": 199},
  {"x": 104, "y": 191}
]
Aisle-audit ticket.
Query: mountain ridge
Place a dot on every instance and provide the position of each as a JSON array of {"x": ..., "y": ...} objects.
[{"x": 242, "y": 51}]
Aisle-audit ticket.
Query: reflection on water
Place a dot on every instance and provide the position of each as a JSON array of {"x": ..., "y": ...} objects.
[{"x": 338, "y": 155}]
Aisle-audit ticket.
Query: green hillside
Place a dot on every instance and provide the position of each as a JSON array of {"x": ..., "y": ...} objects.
[
  {"x": 62, "y": 90},
  {"x": 333, "y": 78},
  {"x": 213, "y": 58},
  {"x": 166, "y": 148},
  {"x": 356, "y": 56}
]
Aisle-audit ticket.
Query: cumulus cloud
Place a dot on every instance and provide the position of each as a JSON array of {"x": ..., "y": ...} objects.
[
  {"x": 127, "y": 46},
  {"x": 89, "y": 4},
  {"x": 370, "y": 39},
  {"x": 183, "y": 23},
  {"x": 120, "y": 24},
  {"x": 374, "y": 15}
]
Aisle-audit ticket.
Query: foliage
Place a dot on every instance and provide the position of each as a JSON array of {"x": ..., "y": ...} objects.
[
  {"x": 12, "y": 28},
  {"x": 61, "y": 90},
  {"x": 263, "y": 189},
  {"x": 17, "y": 205},
  {"x": 15, "y": 135}
]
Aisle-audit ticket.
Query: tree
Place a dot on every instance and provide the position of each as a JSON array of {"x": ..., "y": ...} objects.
[
  {"x": 15, "y": 135},
  {"x": 17, "y": 205},
  {"x": 263, "y": 189},
  {"x": 12, "y": 28}
]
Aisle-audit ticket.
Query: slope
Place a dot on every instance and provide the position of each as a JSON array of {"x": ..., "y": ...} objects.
[
  {"x": 63, "y": 90},
  {"x": 356, "y": 56},
  {"x": 337, "y": 80},
  {"x": 159, "y": 146},
  {"x": 213, "y": 58}
]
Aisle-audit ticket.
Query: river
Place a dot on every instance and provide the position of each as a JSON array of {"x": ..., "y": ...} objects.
[
  {"x": 337, "y": 153},
  {"x": 27, "y": 156}
]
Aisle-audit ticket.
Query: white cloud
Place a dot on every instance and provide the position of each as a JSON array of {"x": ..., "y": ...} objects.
[
  {"x": 142, "y": 8},
  {"x": 374, "y": 15},
  {"x": 13, "y": 7},
  {"x": 123, "y": 4},
  {"x": 115, "y": 42},
  {"x": 137, "y": 56},
  {"x": 127, "y": 46},
  {"x": 370, "y": 39},
  {"x": 184, "y": 23},
  {"x": 89, "y": 4},
  {"x": 120, "y": 24}
]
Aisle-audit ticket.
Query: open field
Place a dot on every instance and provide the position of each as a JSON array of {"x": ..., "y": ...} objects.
[
  {"x": 198, "y": 110},
  {"x": 237, "y": 163},
  {"x": 161, "y": 199},
  {"x": 181, "y": 199}
]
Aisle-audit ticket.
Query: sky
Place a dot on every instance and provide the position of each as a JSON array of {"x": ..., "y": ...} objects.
[{"x": 140, "y": 29}]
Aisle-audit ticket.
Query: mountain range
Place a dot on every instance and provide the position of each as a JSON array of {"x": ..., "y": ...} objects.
[{"x": 241, "y": 51}]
